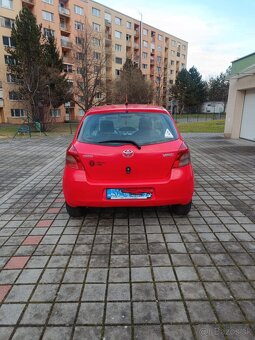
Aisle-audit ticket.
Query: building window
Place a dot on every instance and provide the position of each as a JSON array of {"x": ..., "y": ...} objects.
[
  {"x": 55, "y": 113},
  {"x": 145, "y": 31},
  {"x": 108, "y": 18},
  {"x": 68, "y": 68},
  {"x": 145, "y": 55},
  {"x": 16, "y": 113},
  {"x": 183, "y": 56},
  {"x": 6, "y": 3},
  {"x": 6, "y": 22},
  {"x": 96, "y": 27},
  {"x": 79, "y": 41},
  {"x": 183, "y": 47},
  {"x": 10, "y": 78},
  {"x": 171, "y": 71},
  {"x": 98, "y": 95},
  {"x": 158, "y": 69},
  {"x": 79, "y": 55},
  {"x": 81, "y": 112},
  {"x": 145, "y": 66},
  {"x": 95, "y": 12},
  {"x": 7, "y": 42},
  {"x": 97, "y": 55},
  {"x": 128, "y": 37},
  {"x": 13, "y": 95},
  {"x": 79, "y": 26},
  {"x": 47, "y": 16},
  {"x": 178, "y": 54},
  {"x": 117, "y": 34},
  {"x": 129, "y": 25},
  {"x": 10, "y": 60},
  {"x": 80, "y": 70},
  {"x": 173, "y": 43},
  {"x": 171, "y": 81},
  {"x": 48, "y": 32},
  {"x": 118, "y": 48},
  {"x": 117, "y": 21},
  {"x": 50, "y": 2},
  {"x": 172, "y": 62},
  {"x": 117, "y": 73},
  {"x": 172, "y": 52},
  {"x": 145, "y": 43},
  {"x": 118, "y": 60},
  {"x": 159, "y": 59},
  {"x": 78, "y": 10},
  {"x": 160, "y": 37},
  {"x": 96, "y": 42}
]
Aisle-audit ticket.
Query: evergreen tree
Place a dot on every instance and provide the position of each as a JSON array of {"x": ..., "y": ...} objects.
[
  {"x": 37, "y": 67},
  {"x": 189, "y": 90},
  {"x": 218, "y": 88},
  {"x": 131, "y": 85}
]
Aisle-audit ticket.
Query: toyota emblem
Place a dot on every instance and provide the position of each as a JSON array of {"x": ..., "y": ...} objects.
[{"x": 128, "y": 153}]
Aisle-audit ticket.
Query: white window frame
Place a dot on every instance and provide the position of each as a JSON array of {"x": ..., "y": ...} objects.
[
  {"x": 6, "y": 4},
  {"x": 118, "y": 48},
  {"x": 50, "y": 2},
  {"x": 95, "y": 12},
  {"x": 22, "y": 113},
  {"x": 118, "y": 59},
  {"x": 129, "y": 25},
  {"x": 3, "y": 21},
  {"x": 145, "y": 31},
  {"x": 145, "y": 43},
  {"x": 96, "y": 27},
  {"x": 79, "y": 26},
  {"x": 78, "y": 10},
  {"x": 118, "y": 34},
  {"x": 118, "y": 21},
  {"x": 55, "y": 113},
  {"x": 48, "y": 16}
]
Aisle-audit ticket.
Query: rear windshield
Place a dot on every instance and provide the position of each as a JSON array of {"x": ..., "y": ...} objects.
[{"x": 141, "y": 128}]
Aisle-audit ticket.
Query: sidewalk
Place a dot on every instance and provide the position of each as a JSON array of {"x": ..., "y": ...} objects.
[{"x": 127, "y": 273}]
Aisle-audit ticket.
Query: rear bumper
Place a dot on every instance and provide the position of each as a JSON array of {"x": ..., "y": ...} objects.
[{"x": 178, "y": 189}]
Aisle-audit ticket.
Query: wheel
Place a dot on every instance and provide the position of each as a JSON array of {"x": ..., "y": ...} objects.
[
  {"x": 74, "y": 212},
  {"x": 181, "y": 209}
]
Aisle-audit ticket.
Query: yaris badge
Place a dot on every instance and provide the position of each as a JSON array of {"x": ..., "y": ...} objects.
[{"x": 128, "y": 153}]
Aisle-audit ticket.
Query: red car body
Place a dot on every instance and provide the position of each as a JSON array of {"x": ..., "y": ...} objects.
[{"x": 115, "y": 166}]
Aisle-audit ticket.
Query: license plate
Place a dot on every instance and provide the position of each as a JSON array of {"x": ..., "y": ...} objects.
[{"x": 122, "y": 194}]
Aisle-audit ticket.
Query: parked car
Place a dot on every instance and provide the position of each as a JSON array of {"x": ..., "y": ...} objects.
[{"x": 127, "y": 155}]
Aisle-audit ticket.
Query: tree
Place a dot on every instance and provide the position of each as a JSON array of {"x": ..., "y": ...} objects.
[
  {"x": 37, "y": 68},
  {"x": 189, "y": 90},
  {"x": 159, "y": 82},
  {"x": 218, "y": 88},
  {"x": 131, "y": 85},
  {"x": 91, "y": 62}
]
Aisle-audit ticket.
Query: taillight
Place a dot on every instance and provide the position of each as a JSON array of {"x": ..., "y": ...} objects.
[
  {"x": 72, "y": 159},
  {"x": 183, "y": 156}
]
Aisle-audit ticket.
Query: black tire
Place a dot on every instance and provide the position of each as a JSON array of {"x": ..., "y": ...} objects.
[
  {"x": 75, "y": 211},
  {"x": 181, "y": 209}
]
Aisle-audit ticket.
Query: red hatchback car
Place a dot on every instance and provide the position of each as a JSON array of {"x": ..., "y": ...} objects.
[{"x": 127, "y": 155}]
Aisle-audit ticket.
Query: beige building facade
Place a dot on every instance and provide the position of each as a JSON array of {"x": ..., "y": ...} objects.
[
  {"x": 240, "y": 113},
  {"x": 159, "y": 55}
]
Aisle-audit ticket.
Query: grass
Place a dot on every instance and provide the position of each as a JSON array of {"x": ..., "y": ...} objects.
[
  {"x": 8, "y": 130},
  {"x": 208, "y": 126}
]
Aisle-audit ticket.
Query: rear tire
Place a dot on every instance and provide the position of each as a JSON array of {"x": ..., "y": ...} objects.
[
  {"x": 75, "y": 211},
  {"x": 181, "y": 209}
]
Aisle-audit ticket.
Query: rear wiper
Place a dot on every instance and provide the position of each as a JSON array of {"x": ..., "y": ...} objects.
[{"x": 124, "y": 141}]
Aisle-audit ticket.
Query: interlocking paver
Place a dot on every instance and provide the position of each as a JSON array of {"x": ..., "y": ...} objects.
[{"x": 127, "y": 273}]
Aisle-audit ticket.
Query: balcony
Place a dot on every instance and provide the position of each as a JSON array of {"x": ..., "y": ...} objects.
[
  {"x": 28, "y": 3},
  {"x": 152, "y": 60},
  {"x": 136, "y": 46},
  {"x": 64, "y": 28},
  {"x": 66, "y": 44},
  {"x": 107, "y": 23},
  {"x": 64, "y": 11}
]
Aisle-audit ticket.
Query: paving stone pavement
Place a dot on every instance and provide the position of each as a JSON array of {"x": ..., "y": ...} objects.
[{"x": 127, "y": 273}]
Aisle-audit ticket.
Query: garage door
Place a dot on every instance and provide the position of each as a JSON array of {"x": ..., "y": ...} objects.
[{"x": 248, "y": 119}]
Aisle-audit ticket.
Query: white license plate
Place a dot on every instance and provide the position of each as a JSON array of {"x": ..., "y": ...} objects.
[{"x": 121, "y": 194}]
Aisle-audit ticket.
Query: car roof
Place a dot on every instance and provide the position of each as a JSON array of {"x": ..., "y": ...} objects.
[{"x": 126, "y": 108}]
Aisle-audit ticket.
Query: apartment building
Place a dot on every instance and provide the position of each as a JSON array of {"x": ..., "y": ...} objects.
[{"x": 159, "y": 55}]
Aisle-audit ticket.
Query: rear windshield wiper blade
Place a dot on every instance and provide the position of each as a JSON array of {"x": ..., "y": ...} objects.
[{"x": 124, "y": 141}]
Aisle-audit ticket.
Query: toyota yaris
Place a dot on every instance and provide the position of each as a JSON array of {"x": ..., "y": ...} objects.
[{"x": 127, "y": 155}]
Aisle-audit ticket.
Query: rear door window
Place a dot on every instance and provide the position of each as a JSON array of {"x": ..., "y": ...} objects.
[{"x": 142, "y": 128}]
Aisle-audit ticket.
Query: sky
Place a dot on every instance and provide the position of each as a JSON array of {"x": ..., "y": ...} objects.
[{"x": 217, "y": 31}]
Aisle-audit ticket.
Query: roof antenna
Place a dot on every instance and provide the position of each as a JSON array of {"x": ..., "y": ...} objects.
[{"x": 126, "y": 103}]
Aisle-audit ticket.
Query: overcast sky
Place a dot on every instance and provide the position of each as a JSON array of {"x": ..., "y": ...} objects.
[{"x": 218, "y": 31}]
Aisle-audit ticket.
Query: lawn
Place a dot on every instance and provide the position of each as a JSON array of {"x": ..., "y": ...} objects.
[
  {"x": 8, "y": 131},
  {"x": 208, "y": 126}
]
